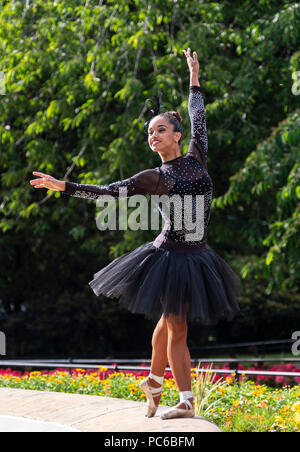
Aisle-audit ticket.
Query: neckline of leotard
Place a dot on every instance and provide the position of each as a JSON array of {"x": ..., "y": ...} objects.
[{"x": 176, "y": 158}]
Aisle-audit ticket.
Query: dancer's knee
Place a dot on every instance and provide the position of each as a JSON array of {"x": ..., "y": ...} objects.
[
  {"x": 177, "y": 328},
  {"x": 160, "y": 332}
]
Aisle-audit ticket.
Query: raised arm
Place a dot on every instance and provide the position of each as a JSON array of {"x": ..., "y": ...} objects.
[{"x": 199, "y": 142}]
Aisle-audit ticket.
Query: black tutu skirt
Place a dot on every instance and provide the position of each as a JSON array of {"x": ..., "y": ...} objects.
[{"x": 155, "y": 281}]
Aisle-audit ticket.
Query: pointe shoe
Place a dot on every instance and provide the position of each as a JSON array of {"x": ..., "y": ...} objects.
[
  {"x": 174, "y": 412},
  {"x": 150, "y": 391}
]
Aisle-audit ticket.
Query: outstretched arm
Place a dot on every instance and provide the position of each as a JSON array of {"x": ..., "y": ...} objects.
[
  {"x": 143, "y": 183},
  {"x": 199, "y": 141}
]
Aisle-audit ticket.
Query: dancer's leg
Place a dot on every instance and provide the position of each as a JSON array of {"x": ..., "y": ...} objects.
[
  {"x": 159, "y": 353},
  {"x": 178, "y": 354}
]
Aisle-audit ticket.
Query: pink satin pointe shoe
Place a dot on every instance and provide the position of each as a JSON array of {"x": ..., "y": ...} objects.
[
  {"x": 150, "y": 391},
  {"x": 174, "y": 412}
]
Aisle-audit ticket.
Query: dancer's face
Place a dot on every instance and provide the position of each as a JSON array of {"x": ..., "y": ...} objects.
[{"x": 161, "y": 135}]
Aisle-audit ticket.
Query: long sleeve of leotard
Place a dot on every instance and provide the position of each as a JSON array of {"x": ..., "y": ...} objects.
[
  {"x": 141, "y": 183},
  {"x": 199, "y": 142}
]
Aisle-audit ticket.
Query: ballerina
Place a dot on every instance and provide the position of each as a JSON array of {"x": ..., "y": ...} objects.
[{"x": 173, "y": 279}]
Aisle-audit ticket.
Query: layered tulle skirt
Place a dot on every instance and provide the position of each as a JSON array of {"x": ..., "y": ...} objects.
[{"x": 155, "y": 281}]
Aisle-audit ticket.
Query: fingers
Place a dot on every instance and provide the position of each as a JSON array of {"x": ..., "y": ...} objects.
[
  {"x": 38, "y": 182},
  {"x": 37, "y": 173},
  {"x": 187, "y": 53},
  {"x": 41, "y": 183}
]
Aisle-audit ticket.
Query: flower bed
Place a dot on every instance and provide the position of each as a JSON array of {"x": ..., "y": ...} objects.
[
  {"x": 274, "y": 381},
  {"x": 243, "y": 406}
]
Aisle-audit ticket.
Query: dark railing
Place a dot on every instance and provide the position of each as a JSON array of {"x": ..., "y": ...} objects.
[
  {"x": 117, "y": 366},
  {"x": 131, "y": 364}
]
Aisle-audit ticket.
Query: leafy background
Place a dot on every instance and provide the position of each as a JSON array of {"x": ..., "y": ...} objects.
[{"x": 77, "y": 74}]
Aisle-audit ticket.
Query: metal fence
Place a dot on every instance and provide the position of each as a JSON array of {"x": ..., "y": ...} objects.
[
  {"x": 119, "y": 364},
  {"x": 127, "y": 364}
]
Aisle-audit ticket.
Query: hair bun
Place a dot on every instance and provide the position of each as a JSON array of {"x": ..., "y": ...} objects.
[{"x": 176, "y": 115}]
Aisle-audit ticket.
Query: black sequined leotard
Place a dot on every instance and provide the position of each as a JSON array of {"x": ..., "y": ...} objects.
[{"x": 181, "y": 176}]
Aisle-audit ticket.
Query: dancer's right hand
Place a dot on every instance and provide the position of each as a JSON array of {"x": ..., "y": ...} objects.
[
  {"x": 46, "y": 181},
  {"x": 192, "y": 61}
]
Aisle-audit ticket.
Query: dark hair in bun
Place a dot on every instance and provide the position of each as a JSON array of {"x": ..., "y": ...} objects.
[
  {"x": 176, "y": 115},
  {"x": 172, "y": 116}
]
